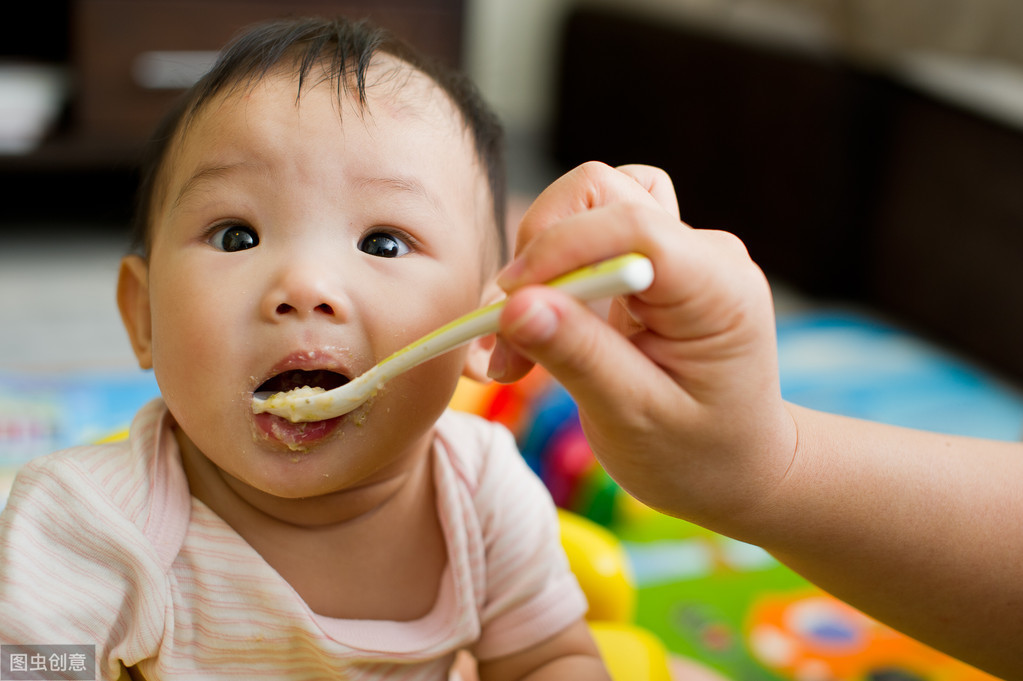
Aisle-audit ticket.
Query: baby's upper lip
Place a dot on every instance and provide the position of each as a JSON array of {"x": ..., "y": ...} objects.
[{"x": 321, "y": 367}]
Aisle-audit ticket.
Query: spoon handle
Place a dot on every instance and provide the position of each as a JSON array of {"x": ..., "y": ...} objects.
[{"x": 624, "y": 274}]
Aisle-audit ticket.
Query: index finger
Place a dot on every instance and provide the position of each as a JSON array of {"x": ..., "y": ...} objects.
[
  {"x": 592, "y": 185},
  {"x": 657, "y": 184}
]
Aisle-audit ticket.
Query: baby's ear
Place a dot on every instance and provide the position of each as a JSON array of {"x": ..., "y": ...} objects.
[
  {"x": 477, "y": 359},
  {"x": 133, "y": 302}
]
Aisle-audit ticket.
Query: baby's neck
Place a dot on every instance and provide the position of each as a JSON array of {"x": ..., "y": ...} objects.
[
  {"x": 243, "y": 506},
  {"x": 374, "y": 552}
]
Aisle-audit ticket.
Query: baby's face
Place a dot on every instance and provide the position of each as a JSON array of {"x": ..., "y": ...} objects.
[{"x": 296, "y": 244}]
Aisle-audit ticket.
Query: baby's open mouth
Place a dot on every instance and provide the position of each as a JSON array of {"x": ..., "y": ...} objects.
[
  {"x": 298, "y": 436},
  {"x": 298, "y": 378}
]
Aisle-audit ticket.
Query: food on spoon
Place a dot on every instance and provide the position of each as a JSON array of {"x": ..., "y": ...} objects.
[{"x": 291, "y": 400}]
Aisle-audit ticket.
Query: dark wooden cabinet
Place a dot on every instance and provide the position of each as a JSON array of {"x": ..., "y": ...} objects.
[
  {"x": 114, "y": 39},
  {"x": 84, "y": 169}
]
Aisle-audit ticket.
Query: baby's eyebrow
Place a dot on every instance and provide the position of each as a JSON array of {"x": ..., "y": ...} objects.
[
  {"x": 204, "y": 174},
  {"x": 407, "y": 185}
]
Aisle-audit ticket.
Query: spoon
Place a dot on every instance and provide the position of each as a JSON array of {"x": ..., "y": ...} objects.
[{"x": 630, "y": 273}]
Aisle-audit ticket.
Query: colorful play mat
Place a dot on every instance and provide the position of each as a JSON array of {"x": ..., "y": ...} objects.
[{"x": 725, "y": 603}]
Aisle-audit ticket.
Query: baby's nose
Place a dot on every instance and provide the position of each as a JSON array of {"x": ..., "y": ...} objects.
[
  {"x": 304, "y": 292},
  {"x": 287, "y": 308}
]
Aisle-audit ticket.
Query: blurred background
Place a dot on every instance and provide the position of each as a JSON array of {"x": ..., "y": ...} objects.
[
  {"x": 869, "y": 153},
  {"x": 865, "y": 150}
]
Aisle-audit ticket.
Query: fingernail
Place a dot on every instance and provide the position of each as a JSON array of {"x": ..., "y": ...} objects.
[
  {"x": 498, "y": 362},
  {"x": 510, "y": 273},
  {"x": 536, "y": 325}
]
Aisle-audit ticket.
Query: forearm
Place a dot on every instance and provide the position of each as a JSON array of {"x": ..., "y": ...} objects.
[
  {"x": 917, "y": 529},
  {"x": 571, "y": 654}
]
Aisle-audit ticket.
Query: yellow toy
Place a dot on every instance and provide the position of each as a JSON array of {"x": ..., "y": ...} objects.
[
  {"x": 601, "y": 565},
  {"x": 115, "y": 436}
]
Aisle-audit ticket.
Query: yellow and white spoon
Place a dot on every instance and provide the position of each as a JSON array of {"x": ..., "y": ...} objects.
[{"x": 625, "y": 274}]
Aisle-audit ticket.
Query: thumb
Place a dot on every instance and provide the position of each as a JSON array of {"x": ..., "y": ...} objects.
[{"x": 593, "y": 361}]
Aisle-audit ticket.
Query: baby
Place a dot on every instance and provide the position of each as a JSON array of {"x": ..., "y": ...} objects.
[{"x": 318, "y": 200}]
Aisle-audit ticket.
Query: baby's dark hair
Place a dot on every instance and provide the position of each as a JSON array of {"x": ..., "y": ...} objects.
[{"x": 346, "y": 49}]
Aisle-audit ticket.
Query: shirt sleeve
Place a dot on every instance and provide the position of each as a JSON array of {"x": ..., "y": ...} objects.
[
  {"x": 531, "y": 593},
  {"x": 75, "y": 570}
]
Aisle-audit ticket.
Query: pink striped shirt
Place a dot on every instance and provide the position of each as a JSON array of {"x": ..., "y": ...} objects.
[{"x": 104, "y": 545}]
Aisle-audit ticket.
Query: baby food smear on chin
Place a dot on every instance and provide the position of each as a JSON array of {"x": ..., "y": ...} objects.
[{"x": 295, "y": 436}]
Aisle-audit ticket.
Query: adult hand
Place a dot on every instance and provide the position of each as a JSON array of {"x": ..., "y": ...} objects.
[{"x": 678, "y": 388}]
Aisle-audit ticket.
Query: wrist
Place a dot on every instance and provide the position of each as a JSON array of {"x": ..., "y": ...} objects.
[{"x": 746, "y": 498}]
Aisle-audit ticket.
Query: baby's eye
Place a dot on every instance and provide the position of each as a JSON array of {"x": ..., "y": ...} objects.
[
  {"x": 234, "y": 238},
  {"x": 383, "y": 245}
]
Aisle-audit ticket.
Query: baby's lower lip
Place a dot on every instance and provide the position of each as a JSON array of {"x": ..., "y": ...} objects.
[{"x": 295, "y": 436}]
